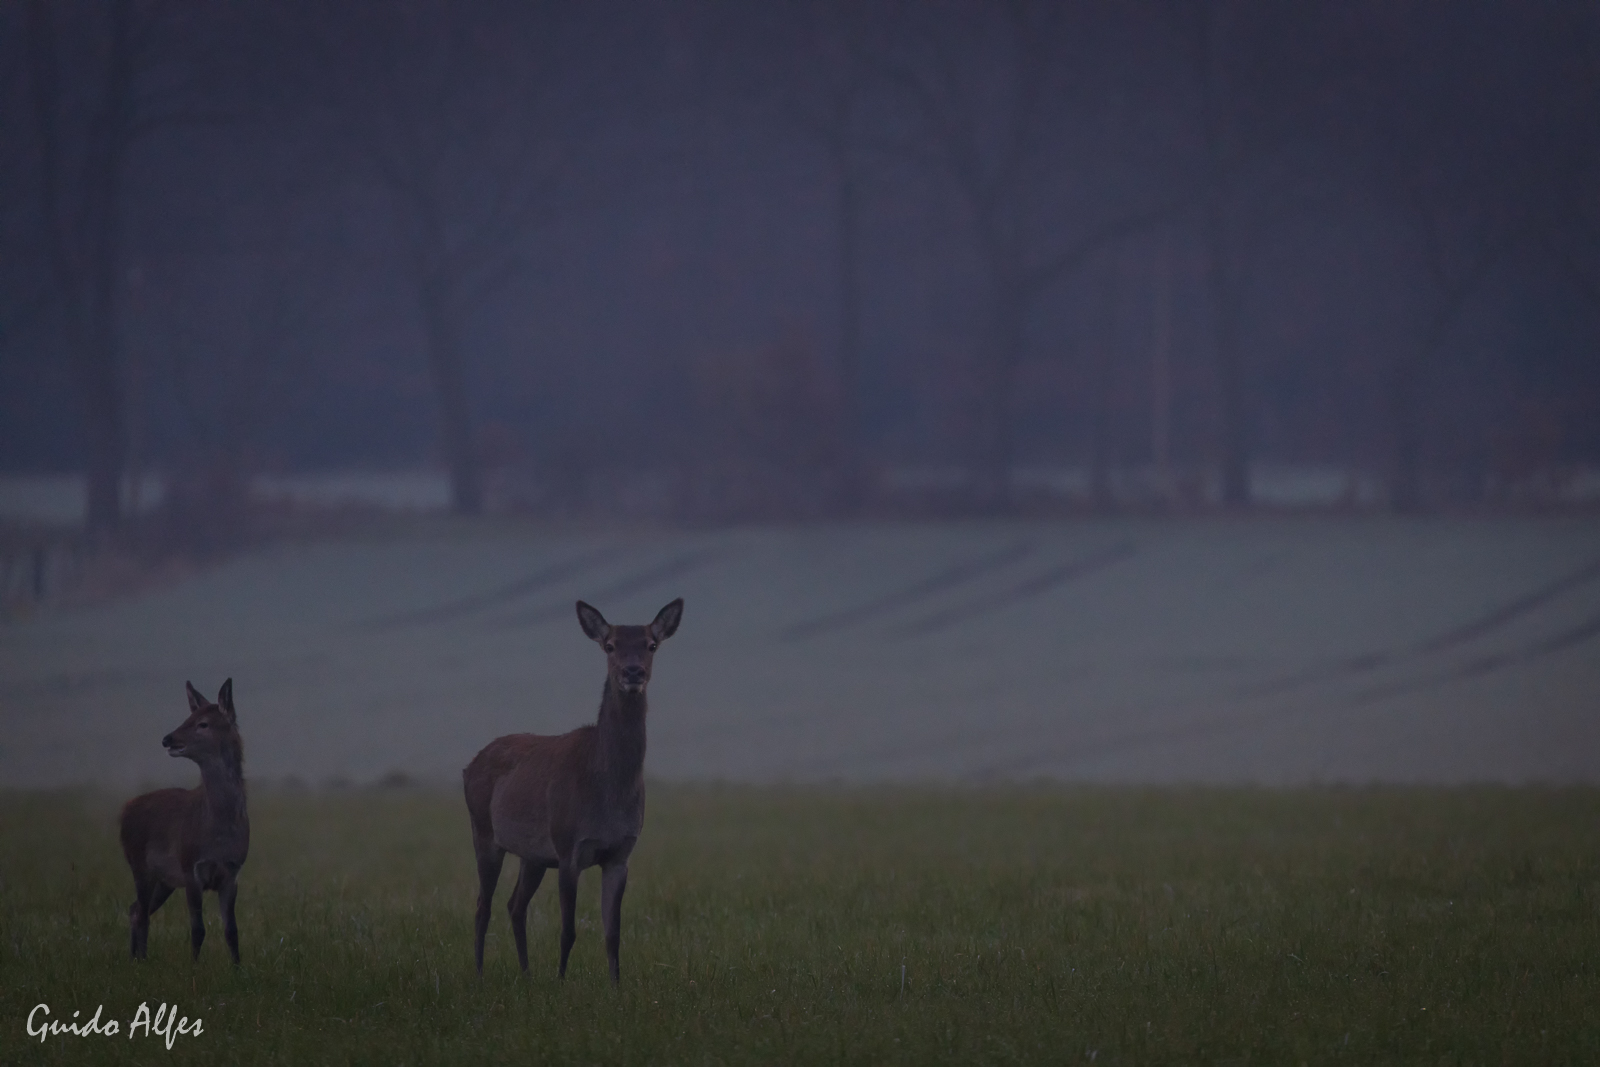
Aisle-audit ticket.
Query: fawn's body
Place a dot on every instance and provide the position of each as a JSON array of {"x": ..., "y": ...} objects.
[
  {"x": 571, "y": 801},
  {"x": 192, "y": 839}
]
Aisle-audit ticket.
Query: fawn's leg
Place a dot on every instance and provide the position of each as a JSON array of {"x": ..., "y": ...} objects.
[
  {"x": 230, "y": 927},
  {"x": 197, "y": 923},
  {"x": 158, "y": 897},
  {"x": 528, "y": 880},
  {"x": 613, "y": 883},
  {"x": 149, "y": 895},
  {"x": 490, "y": 858},
  {"x": 567, "y": 882},
  {"x": 139, "y": 917}
]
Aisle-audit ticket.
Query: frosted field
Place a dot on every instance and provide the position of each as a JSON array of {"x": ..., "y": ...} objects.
[{"x": 1260, "y": 650}]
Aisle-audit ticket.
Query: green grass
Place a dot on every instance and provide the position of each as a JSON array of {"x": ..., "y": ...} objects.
[{"x": 771, "y": 925}]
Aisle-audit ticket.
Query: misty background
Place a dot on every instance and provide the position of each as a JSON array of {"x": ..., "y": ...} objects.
[
  {"x": 731, "y": 261},
  {"x": 1195, "y": 390}
]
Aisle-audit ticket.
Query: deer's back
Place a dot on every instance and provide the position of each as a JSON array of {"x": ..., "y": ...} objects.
[{"x": 527, "y": 792}]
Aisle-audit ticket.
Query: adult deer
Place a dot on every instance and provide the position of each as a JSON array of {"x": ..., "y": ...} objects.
[
  {"x": 570, "y": 801},
  {"x": 192, "y": 839}
]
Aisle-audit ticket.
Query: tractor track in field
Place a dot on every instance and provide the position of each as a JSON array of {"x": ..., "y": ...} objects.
[
  {"x": 1482, "y": 666},
  {"x": 1204, "y": 726},
  {"x": 1485, "y": 624},
  {"x": 1019, "y": 592},
  {"x": 492, "y": 598},
  {"x": 675, "y": 567},
  {"x": 956, "y": 574}
]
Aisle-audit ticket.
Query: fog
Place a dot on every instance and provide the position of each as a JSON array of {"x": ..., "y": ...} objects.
[
  {"x": 1202, "y": 275},
  {"x": 748, "y": 260}
]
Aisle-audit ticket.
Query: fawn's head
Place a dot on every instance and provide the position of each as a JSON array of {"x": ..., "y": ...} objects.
[
  {"x": 630, "y": 649},
  {"x": 211, "y": 730}
]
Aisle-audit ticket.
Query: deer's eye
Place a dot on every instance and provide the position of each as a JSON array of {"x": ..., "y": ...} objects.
[
  {"x": 610, "y": 647},
  {"x": 652, "y": 646},
  {"x": 205, "y": 726}
]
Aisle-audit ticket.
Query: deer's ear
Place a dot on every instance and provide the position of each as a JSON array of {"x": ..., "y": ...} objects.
[
  {"x": 225, "y": 701},
  {"x": 196, "y": 701},
  {"x": 594, "y": 624},
  {"x": 667, "y": 620}
]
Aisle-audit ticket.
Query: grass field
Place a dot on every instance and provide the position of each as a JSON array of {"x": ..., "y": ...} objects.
[{"x": 765, "y": 925}]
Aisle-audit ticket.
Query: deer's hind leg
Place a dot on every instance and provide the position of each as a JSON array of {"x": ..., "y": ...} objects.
[
  {"x": 149, "y": 893},
  {"x": 138, "y": 926},
  {"x": 139, "y": 918},
  {"x": 158, "y": 896},
  {"x": 490, "y": 858},
  {"x": 528, "y": 879},
  {"x": 197, "y": 922}
]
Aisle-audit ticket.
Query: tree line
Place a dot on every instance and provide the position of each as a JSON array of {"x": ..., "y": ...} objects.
[{"x": 767, "y": 252}]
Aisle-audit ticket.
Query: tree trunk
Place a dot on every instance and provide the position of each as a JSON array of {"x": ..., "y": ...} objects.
[
  {"x": 106, "y": 424},
  {"x": 99, "y": 362},
  {"x": 1235, "y": 434},
  {"x": 1226, "y": 258},
  {"x": 1406, "y": 386},
  {"x": 991, "y": 488},
  {"x": 1101, "y": 497},
  {"x": 1405, "y": 409},
  {"x": 86, "y": 246},
  {"x": 1161, "y": 376},
  {"x": 852, "y": 428},
  {"x": 443, "y": 335},
  {"x": 1234, "y": 411},
  {"x": 1101, "y": 370}
]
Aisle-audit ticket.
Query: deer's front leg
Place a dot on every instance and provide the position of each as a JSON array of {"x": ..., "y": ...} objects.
[
  {"x": 197, "y": 922},
  {"x": 567, "y": 882},
  {"x": 613, "y": 883},
  {"x": 230, "y": 927}
]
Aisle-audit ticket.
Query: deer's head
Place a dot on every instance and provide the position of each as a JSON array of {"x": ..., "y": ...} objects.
[
  {"x": 630, "y": 649},
  {"x": 210, "y": 732}
]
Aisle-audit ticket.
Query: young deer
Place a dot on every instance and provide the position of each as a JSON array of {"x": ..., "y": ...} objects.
[
  {"x": 192, "y": 839},
  {"x": 571, "y": 801}
]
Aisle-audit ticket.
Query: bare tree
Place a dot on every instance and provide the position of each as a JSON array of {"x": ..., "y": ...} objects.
[
  {"x": 452, "y": 109},
  {"x": 83, "y": 215},
  {"x": 25, "y": 291},
  {"x": 1568, "y": 227},
  {"x": 819, "y": 65},
  {"x": 1228, "y": 249},
  {"x": 1461, "y": 244},
  {"x": 116, "y": 73},
  {"x": 989, "y": 83},
  {"x": 1466, "y": 185},
  {"x": 1236, "y": 158},
  {"x": 1259, "y": 79},
  {"x": 227, "y": 329}
]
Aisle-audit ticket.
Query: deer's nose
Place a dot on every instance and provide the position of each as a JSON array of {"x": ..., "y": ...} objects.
[
  {"x": 166, "y": 742},
  {"x": 633, "y": 675}
]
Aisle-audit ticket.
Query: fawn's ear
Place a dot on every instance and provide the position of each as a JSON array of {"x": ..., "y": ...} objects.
[
  {"x": 196, "y": 701},
  {"x": 667, "y": 620},
  {"x": 225, "y": 701},
  {"x": 594, "y": 624}
]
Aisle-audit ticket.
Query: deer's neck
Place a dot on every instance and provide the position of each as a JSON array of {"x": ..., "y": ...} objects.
[
  {"x": 621, "y": 727},
  {"x": 222, "y": 779}
]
